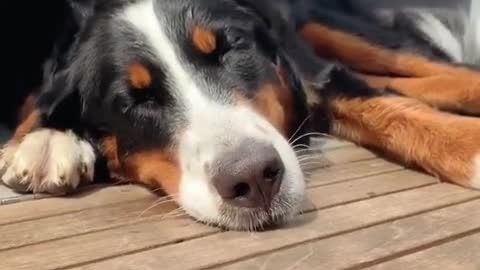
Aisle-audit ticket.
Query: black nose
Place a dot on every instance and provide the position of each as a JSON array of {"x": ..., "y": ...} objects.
[{"x": 249, "y": 175}]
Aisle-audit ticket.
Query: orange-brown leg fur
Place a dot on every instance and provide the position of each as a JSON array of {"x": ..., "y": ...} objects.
[
  {"x": 444, "y": 92},
  {"x": 369, "y": 58},
  {"x": 443, "y": 144},
  {"x": 29, "y": 123}
]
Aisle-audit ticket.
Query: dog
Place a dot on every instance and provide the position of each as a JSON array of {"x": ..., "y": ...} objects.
[{"x": 207, "y": 100}]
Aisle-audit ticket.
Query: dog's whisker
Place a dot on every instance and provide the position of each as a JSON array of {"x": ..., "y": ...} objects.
[
  {"x": 153, "y": 206},
  {"x": 312, "y": 164},
  {"x": 158, "y": 189},
  {"x": 308, "y": 158},
  {"x": 157, "y": 203},
  {"x": 312, "y": 160},
  {"x": 319, "y": 134},
  {"x": 300, "y": 145},
  {"x": 171, "y": 196},
  {"x": 178, "y": 212},
  {"x": 302, "y": 152},
  {"x": 299, "y": 127}
]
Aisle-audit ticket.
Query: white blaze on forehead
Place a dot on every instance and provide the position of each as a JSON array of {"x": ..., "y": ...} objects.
[{"x": 142, "y": 16}]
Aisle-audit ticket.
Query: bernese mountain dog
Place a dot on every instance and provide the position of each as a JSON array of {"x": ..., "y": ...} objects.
[{"x": 208, "y": 100}]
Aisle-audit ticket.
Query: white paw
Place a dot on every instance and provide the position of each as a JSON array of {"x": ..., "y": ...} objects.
[
  {"x": 47, "y": 161},
  {"x": 475, "y": 183}
]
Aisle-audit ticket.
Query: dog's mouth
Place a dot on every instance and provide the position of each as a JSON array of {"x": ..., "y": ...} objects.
[{"x": 282, "y": 210}]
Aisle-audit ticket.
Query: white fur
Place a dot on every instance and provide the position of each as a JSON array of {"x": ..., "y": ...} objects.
[
  {"x": 213, "y": 127},
  {"x": 475, "y": 183},
  {"x": 47, "y": 161},
  {"x": 473, "y": 34},
  {"x": 440, "y": 35}
]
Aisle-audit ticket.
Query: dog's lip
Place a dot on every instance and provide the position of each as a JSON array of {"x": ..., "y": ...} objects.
[{"x": 254, "y": 219}]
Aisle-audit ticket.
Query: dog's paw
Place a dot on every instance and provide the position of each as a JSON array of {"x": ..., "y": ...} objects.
[{"x": 47, "y": 161}]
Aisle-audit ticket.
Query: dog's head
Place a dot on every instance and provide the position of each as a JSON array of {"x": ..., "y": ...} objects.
[{"x": 196, "y": 97}]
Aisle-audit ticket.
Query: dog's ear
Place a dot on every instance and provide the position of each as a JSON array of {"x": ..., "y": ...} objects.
[{"x": 59, "y": 102}]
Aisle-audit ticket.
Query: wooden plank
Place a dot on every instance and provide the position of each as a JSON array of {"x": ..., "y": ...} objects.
[
  {"x": 334, "y": 157},
  {"x": 365, "y": 188},
  {"x": 326, "y": 144},
  {"x": 90, "y": 198},
  {"x": 354, "y": 170},
  {"x": 462, "y": 254},
  {"x": 230, "y": 246},
  {"x": 374, "y": 244},
  {"x": 85, "y": 248},
  {"x": 20, "y": 234},
  {"x": 86, "y": 221}
]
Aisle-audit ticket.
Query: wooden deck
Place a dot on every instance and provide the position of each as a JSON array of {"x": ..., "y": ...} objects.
[{"x": 363, "y": 213}]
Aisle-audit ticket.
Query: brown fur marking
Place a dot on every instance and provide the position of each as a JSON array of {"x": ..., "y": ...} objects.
[
  {"x": 31, "y": 122},
  {"x": 370, "y": 58},
  {"x": 275, "y": 103},
  {"x": 204, "y": 39},
  {"x": 268, "y": 102},
  {"x": 139, "y": 76},
  {"x": 27, "y": 108},
  {"x": 442, "y": 144},
  {"x": 444, "y": 92},
  {"x": 153, "y": 168}
]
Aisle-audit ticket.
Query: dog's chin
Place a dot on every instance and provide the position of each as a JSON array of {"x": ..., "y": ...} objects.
[{"x": 257, "y": 219}]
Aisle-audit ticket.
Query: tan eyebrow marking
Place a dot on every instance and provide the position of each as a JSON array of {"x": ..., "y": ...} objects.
[
  {"x": 139, "y": 76},
  {"x": 204, "y": 39}
]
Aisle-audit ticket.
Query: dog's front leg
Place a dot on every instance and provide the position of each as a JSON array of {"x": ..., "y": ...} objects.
[{"x": 44, "y": 160}]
